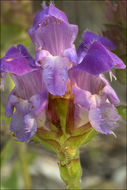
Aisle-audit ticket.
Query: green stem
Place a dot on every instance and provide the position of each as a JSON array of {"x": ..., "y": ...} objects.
[
  {"x": 70, "y": 171},
  {"x": 24, "y": 165}
]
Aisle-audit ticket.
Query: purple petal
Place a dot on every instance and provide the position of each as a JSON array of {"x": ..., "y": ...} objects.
[
  {"x": 118, "y": 63},
  {"x": 23, "y": 51},
  {"x": 71, "y": 54},
  {"x": 97, "y": 60},
  {"x": 82, "y": 97},
  {"x": 23, "y": 127},
  {"x": 39, "y": 102},
  {"x": 111, "y": 95},
  {"x": 29, "y": 84},
  {"x": 61, "y": 38},
  {"x": 49, "y": 11},
  {"x": 89, "y": 37},
  {"x": 41, "y": 57},
  {"x": 12, "y": 100},
  {"x": 17, "y": 61},
  {"x": 55, "y": 75},
  {"x": 104, "y": 118},
  {"x": 86, "y": 81},
  {"x": 81, "y": 116}
]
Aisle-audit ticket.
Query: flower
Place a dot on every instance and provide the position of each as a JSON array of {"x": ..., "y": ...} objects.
[
  {"x": 58, "y": 69},
  {"x": 94, "y": 54},
  {"x": 29, "y": 96},
  {"x": 53, "y": 37},
  {"x": 96, "y": 99}
]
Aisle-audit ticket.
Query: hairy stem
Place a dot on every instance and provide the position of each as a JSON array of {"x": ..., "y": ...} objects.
[{"x": 70, "y": 171}]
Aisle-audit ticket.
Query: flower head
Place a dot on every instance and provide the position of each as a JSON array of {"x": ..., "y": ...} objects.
[
  {"x": 95, "y": 95},
  {"x": 61, "y": 89},
  {"x": 29, "y": 96},
  {"x": 53, "y": 37}
]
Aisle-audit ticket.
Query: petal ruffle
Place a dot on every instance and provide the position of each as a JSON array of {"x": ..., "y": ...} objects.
[
  {"x": 17, "y": 61},
  {"x": 104, "y": 118}
]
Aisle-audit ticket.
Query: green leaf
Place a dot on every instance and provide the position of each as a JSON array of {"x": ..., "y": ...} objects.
[{"x": 122, "y": 110}]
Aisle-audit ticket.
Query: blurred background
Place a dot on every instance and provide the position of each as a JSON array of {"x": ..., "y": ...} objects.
[{"x": 30, "y": 166}]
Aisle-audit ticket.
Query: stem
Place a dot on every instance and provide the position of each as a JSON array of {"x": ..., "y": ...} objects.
[
  {"x": 71, "y": 172},
  {"x": 24, "y": 165}
]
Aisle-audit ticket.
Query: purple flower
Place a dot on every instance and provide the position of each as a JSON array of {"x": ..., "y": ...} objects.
[
  {"x": 29, "y": 96},
  {"x": 59, "y": 69},
  {"x": 53, "y": 37},
  {"x": 94, "y": 55},
  {"x": 94, "y": 95}
]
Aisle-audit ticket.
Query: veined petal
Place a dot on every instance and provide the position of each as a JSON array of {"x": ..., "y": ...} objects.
[
  {"x": 62, "y": 36},
  {"x": 17, "y": 61},
  {"x": 86, "y": 81},
  {"x": 55, "y": 75},
  {"x": 29, "y": 84},
  {"x": 104, "y": 118}
]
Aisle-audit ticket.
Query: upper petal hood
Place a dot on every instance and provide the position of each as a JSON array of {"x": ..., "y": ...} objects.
[{"x": 51, "y": 31}]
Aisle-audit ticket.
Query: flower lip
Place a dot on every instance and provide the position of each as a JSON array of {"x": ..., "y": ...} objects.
[{"x": 104, "y": 118}]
